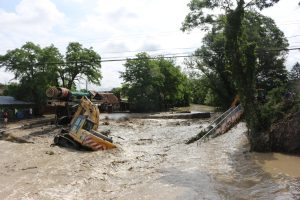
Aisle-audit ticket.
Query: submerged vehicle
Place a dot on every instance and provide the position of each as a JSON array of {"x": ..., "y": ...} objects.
[{"x": 82, "y": 133}]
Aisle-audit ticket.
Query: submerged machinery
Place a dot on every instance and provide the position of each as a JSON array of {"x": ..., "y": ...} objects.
[{"x": 83, "y": 122}]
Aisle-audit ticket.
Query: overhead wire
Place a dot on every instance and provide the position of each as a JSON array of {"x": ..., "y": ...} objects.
[
  {"x": 151, "y": 50},
  {"x": 293, "y": 36},
  {"x": 165, "y": 56}
]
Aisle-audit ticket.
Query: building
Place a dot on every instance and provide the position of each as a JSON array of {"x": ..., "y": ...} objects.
[
  {"x": 108, "y": 101},
  {"x": 15, "y": 108}
]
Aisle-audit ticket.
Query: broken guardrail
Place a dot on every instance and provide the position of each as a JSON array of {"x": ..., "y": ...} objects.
[{"x": 220, "y": 125}]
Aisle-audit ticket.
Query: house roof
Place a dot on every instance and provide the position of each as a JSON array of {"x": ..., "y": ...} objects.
[
  {"x": 8, "y": 100},
  {"x": 111, "y": 98},
  {"x": 106, "y": 97}
]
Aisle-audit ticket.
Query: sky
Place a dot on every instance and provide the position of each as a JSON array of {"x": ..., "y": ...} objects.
[{"x": 117, "y": 29}]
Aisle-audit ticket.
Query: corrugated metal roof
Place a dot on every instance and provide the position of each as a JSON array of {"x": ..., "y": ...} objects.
[{"x": 8, "y": 100}]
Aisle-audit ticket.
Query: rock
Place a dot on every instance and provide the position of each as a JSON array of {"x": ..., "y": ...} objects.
[
  {"x": 27, "y": 168},
  {"x": 49, "y": 152},
  {"x": 106, "y": 123},
  {"x": 130, "y": 168}
]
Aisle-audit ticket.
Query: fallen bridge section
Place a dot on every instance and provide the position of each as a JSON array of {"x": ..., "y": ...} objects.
[{"x": 220, "y": 125}]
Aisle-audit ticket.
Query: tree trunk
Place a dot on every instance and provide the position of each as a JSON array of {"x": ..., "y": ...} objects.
[{"x": 243, "y": 60}]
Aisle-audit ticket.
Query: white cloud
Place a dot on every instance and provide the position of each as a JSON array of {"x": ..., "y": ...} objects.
[
  {"x": 286, "y": 14},
  {"x": 32, "y": 21},
  {"x": 5, "y": 77},
  {"x": 135, "y": 26},
  {"x": 126, "y": 27}
]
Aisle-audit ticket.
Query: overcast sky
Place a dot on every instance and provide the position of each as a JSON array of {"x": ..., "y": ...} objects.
[{"x": 117, "y": 28}]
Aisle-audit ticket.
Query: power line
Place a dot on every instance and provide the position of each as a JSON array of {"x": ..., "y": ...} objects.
[
  {"x": 179, "y": 55},
  {"x": 154, "y": 50},
  {"x": 286, "y": 24},
  {"x": 293, "y": 36},
  {"x": 156, "y": 55},
  {"x": 152, "y": 57},
  {"x": 151, "y": 50}
]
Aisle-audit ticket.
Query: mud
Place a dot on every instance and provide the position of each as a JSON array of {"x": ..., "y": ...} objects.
[{"x": 151, "y": 162}]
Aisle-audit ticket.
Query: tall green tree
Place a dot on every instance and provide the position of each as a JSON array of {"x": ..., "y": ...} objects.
[
  {"x": 240, "y": 53},
  {"x": 30, "y": 66},
  {"x": 270, "y": 43},
  {"x": 211, "y": 60},
  {"x": 143, "y": 80},
  {"x": 80, "y": 63},
  {"x": 174, "y": 89},
  {"x": 38, "y": 68},
  {"x": 154, "y": 85}
]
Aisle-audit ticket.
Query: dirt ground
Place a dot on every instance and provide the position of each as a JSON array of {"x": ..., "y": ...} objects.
[{"x": 151, "y": 162}]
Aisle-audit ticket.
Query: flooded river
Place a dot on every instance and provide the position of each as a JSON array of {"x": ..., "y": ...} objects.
[{"x": 151, "y": 162}]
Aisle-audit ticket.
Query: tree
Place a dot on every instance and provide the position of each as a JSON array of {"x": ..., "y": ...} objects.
[
  {"x": 295, "y": 72},
  {"x": 153, "y": 85},
  {"x": 269, "y": 41},
  {"x": 211, "y": 60},
  {"x": 174, "y": 89},
  {"x": 239, "y": 52},
  {"x": 30, "y": 66},
  {"x": 38, "y": 68},
  {"x": 80, "y": 63},
  {"x": 117, "y": 92},
  {"x": 143, "y": 80},
  {"x": 206, "y": 86}
]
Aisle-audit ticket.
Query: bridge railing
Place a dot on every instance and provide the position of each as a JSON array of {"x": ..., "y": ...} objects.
[{"x": 223, "y": 123}]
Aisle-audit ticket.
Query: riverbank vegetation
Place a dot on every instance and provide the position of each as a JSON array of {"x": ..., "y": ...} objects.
[{"x": 243, "y": 52}]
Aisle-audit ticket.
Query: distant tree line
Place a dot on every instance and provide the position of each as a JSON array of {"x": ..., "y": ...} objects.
[
  {"x": 149, "y": 84},
  {"x": 154, "y": 84}
]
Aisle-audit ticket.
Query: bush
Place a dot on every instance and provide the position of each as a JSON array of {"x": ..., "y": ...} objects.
[{"x": 277, "y": 106}]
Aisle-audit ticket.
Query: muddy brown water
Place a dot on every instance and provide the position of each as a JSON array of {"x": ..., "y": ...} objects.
[{"x": 151, "y": 162}]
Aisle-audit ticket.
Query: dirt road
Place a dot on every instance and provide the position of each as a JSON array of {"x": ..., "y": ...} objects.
[{"x": 151, "y": 162}]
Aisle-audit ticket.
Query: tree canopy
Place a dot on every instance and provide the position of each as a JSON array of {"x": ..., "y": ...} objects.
[
  {"x": 30, "y": 66},
  {"x": 154, "y": 85},
  {"x": 211, "y": 59},
  {"x": 38, "y": 68},
  {"x": 202, "y": 11},
  {"x": 80, "y": 62},
  {"x": 240, "y": 53}
]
